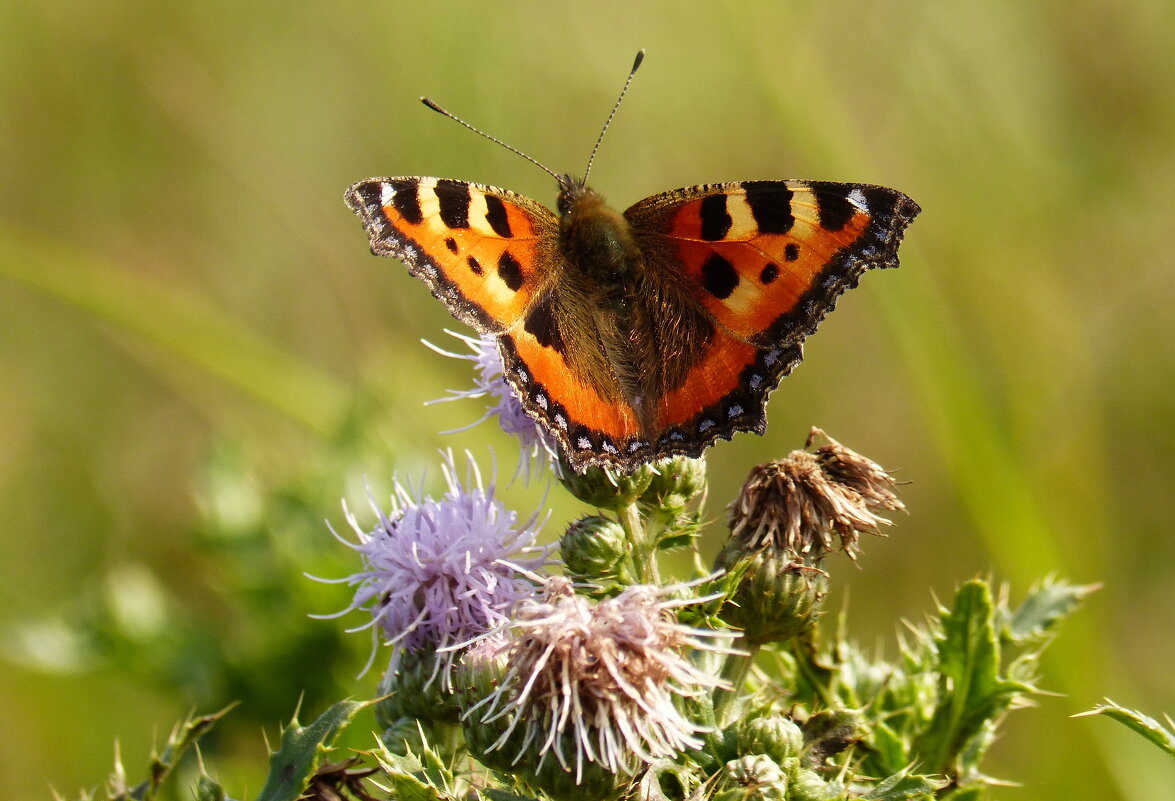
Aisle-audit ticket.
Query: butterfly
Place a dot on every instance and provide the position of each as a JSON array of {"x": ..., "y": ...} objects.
[{"x": 639, "y": 335}]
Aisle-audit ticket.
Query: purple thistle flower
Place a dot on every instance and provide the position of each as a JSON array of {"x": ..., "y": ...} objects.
[
  {"x": 490, "y": 382},
  {"x": 441, "y": 572}
]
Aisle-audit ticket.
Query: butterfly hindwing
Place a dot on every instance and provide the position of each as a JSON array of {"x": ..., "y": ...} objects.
[
  {"x": 484, "y": 252},
  {"x": 590, "y": 425}
]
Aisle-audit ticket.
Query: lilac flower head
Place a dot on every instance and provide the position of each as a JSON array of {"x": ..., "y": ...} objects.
[
  {"x": 441, "y": 572},
  {"x": 490, "y": 382},
  {"x": 598, "y": 683}
]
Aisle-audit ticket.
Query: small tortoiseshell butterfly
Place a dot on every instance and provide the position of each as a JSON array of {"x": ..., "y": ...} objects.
[{"x": 640, "y": 335}]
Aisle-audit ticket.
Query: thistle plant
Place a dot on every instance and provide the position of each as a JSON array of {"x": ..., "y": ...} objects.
[{"x": 518, "y": 662}]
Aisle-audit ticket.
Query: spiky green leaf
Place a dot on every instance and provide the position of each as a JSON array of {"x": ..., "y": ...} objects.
[
  {"x": 971, "y": 692},
  {"x": 904, "y": 785},
  {"x": 422, "y": 776},
  {"x": 208, "y": 789},
  {"x": 1162, "y": 736},
  {"x": 302, "y": 748},
  {"x": 182, "y": 738},
  {"x": 1044, "y": 608}
]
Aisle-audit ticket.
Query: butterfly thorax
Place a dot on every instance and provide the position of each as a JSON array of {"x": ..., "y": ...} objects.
[{"x": 596, "y": 241}]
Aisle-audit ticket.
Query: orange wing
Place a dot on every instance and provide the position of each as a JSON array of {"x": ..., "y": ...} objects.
[
  {"x": 767, "y": 261},
  {"x": 591, "y": 428},
  {"x": 484, "y": 252},
  {"x": 725, "y": 392},
  {"x": 491, "y": 256}
]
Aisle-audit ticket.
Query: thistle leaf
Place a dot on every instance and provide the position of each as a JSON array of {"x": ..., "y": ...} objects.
[
  {"x": 902, "y": 786},
  {"x": 1044, "y": 608},
  {"x": 183, "y": 737},
  {"x": 1162, "y": 736},
  {"x": 302, "y": 748},
  {"x": 971, "y": 692}
]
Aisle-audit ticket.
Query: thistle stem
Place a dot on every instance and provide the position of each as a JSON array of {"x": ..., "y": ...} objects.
[
  {"x": 644, "y": 565},
  {"x": 734, "y": 673},
  {"x": 803, "y": 649}
]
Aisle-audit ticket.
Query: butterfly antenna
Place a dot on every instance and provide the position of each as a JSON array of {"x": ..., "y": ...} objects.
[
  {"x": 640, "y": 56},
  {"x": 495, "y": 139}
]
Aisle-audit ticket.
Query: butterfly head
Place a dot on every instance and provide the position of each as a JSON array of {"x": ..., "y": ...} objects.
[{"x": 572, "y": 190}]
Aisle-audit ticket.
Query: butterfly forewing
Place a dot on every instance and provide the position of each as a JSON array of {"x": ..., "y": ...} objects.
[
  {"x": 768, "y": 259},
  {"x": 483, "y": 251}
]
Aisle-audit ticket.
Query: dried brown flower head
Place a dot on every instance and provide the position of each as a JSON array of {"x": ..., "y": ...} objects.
[{"x": 800, "y": 503}]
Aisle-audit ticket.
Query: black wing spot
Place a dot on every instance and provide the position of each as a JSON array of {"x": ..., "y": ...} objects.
[
  {"x": 475, "y": 266},
  {"x": 543, "y": 324},
  {"x": 451, "y": 244},
  {"x": 835, "y": 208},
  {"x": 406, "y": 200},
  {"x": 791, "y": 251},
  {"x": 716, "y": 219},
  {"x": 770, "y": 204},
  {"x": 496, "y": 216},
  {"x": 719, "y": 277},
  {"x": 369, "y": 195},
  {"x": 510, "y": 271},
  {"x": 769, "y": 274},
  {"x": 453, "y": 197}
]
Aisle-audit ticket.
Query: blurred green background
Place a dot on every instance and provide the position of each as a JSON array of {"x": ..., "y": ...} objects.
[{"x": 199, "y": 357}]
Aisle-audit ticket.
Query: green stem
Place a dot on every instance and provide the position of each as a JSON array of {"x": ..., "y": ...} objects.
[
  {"x": 644, "y": 565},
  {"x": 734, "y": 673},
  {"x": 803, "y": 649}
]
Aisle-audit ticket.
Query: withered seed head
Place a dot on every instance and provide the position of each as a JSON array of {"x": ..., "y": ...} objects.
[{"x": 800, "y": 503}]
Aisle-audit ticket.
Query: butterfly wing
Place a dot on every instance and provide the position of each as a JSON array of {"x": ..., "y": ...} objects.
[
  {"x": 491, "y": 256},
  {"x": 767, "y": 261},
  {"x": 484, "y": 252}
]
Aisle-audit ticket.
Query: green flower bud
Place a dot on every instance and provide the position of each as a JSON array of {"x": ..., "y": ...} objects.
[
  {"x": 773, "y": 735},
  {"x": 607, "y": 489},
  {"x": 593, "y": 548},
  {"x": 479, "y": 674},
  {"x": 776, "y": 599},
  {"x": 414, "y": 691},
  {"x": 675, "y": 483},
  {"x": 752, "y": 778}
]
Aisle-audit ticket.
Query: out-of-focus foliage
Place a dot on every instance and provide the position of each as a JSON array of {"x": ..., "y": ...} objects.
[{"x": 198, "y": 357}]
